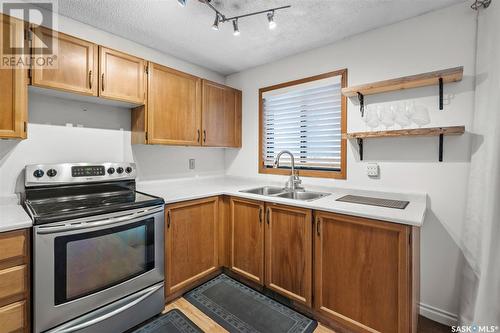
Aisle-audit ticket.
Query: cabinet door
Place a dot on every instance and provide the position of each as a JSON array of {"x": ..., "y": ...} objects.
[
  {"x": 247, "y": 239},
  {"x": 191, "y": 242},
  {"x": 122, "y": 76},
  {"x": 76, "y": 65},
  {"x": 174, "y": 108},
  {"x": 361, "y": 272},
  {"x": 289, "y": 252},
  {"x": 13, "y": 87},
  {"x": 221, "y": 115}
]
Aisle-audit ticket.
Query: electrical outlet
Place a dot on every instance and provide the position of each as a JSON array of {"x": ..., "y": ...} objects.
[
  {"x": 372, "y": 170},
  {"x": 191, "y": 163}
]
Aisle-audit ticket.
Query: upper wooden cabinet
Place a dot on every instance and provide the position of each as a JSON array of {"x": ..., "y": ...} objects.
[
  {"x": 76, "y": 67},
  {"x": 191, "y": 242},
  {"x": 363, "y": 273},
  {"x": 13, "y": 88},
  {"x": 221, "y": 115},
  {"x": 289, "y": 252},
  {"x": 122, "y": 77},
  {"x": 174, "y": 107},
  {"x": 247, "y": 238}
]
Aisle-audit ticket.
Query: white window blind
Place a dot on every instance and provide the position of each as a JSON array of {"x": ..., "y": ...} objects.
[{"x": 306, "y": 120}]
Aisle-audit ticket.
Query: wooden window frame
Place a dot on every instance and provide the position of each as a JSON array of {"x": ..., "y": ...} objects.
[{"x": 342, "y": 174}]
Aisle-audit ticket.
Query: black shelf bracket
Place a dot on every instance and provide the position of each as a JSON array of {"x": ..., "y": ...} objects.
[
  {"x": 441, "y": 139},
  {"x": 440, "y": 93},
  {"x": 361, "y": 99},
  {"x": 360, "y": 146}
]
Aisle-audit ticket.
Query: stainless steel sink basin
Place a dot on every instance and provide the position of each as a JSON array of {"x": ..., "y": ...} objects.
[
  {"x": 304, "y": 196},
  {"x": 279, "y": 192},
  {"x": 266, "y": 190}
]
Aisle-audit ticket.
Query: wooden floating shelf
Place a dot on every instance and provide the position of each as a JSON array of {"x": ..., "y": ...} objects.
[
  {"x": 430, "y": 131},
  {"x": 407, "y": 82}
]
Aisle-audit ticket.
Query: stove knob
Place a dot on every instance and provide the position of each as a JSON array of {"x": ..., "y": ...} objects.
[
  {"x": 128, "y": 170},
  {"x": 51, "y": 172},
  {"x": 38, "y": 173},
  {"x": 119, "y": 170},
  {"x": 111, "y": 170}
]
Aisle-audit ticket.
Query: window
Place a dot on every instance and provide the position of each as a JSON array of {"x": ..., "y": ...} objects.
[{"x": 308, "y": 118}]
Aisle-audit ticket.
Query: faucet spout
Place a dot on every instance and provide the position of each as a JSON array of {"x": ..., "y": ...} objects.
[{"x": 294, "y": 180}]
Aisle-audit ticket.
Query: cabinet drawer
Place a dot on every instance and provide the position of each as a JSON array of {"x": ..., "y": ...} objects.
[
  {"x": 13, "y": 281},
  {"x": 12, "y": 244},
  {"x": 13, "y": 317}
]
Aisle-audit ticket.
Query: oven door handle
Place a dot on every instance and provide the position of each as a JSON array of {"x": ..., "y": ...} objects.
[
  {"x": 68, "y": 328},
  {"x": 86, "y": 224}
]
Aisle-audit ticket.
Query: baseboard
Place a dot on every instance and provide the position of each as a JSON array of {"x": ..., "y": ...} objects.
[{"x": 441, "y": 316}]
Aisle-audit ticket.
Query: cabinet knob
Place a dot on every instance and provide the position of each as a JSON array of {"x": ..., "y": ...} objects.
[
  {"x": 102, "y": 81},
  {"x": 90, "y": 80},
  {"x": 318, "y": 222},
  {"x": 204, "y": 136}
]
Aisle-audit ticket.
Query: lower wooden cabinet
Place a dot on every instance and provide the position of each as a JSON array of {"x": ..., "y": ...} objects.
[
  {"x": 14, "y": 281},
  {"x": 191, "y": 243},
  {"x": 289, "y": 252},
  {"x": 246, "y": 237},
  {"x": 363, "y": 273}
]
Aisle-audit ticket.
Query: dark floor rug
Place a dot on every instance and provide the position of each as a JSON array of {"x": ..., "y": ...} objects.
[
  {"x": 239, "y": 308},
  {"x": 174, "y": 321}
]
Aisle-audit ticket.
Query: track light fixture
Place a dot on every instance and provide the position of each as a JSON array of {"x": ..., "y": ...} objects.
[
  {"x": 221, "y": 18},
  {"x": 215, "y": 26},
  {"x": 270, "y": 18},
  {"x": 236, "y": 31}
]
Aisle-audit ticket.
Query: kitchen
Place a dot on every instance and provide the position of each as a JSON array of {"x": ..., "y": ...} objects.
[{"x": 190, "y": 127}]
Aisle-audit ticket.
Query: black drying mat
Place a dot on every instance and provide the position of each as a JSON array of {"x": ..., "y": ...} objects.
[{"x": 397, "y": 204}]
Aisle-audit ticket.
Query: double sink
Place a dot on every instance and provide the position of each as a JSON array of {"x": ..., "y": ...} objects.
[{"x": 279, "y": 192}]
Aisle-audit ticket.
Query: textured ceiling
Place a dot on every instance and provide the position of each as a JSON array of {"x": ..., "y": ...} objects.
[{"x": 186, "y": 33}]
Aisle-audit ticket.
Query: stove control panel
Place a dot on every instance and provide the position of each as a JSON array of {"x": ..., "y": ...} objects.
[{"x": 68, "y": 173}]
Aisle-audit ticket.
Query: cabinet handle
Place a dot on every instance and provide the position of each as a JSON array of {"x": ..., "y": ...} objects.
[
  {"x": 204, "y": 136},
  {"x": 268, "y": 215},
  {"x": 318, "y": 221},
  {"x": 102, "y": 82},
  {"x": 198, "y": 137},
  {"x": 168, "y": 219},
  {"x": 90, "y": 80},
  {"x": 260, "y": 215}
]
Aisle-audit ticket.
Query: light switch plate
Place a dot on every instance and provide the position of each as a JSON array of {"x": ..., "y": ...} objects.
[
  {"x": 191, "y": 163},
  {"x": 372, "y": 170}
]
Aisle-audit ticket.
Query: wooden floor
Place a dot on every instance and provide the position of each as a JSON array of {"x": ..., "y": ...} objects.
[{"x": 208, "y": 325}]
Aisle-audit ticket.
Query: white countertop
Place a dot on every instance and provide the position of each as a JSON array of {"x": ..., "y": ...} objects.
[
  {"x": 194, "y": 188},
  {"x": 12, "y": 215}
]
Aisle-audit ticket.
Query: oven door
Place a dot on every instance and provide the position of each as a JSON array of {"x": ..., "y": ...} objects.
[{"x": 84, "y": 264}]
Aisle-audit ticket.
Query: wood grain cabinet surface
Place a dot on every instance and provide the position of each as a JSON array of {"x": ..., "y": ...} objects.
[
  {"x": 13, "y": 87},
  {"x": 122, "y": 77},
  {"x": 247, "y": 239},
  {"x": 221, "y": 115},
  {"x": 14, "y": 281},
  {"x": 76, "y": 67},
  {"x": 363, "y": 273},
  {"x": 174, "y": 107},
  {"x": 289, "y": 252},
  {"x": 191, "y": 242}
]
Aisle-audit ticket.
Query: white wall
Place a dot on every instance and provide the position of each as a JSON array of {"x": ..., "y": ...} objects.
[
  {"x": 434, "y": 41},
  {"x": 103, "y": 132}
]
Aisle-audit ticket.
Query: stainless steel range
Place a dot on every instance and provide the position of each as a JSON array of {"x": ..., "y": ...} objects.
[{"x": 97, "y": 248}]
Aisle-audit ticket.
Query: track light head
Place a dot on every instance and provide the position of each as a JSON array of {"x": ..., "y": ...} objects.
[
  {"x": 236, "y": 31},
  {"x": 270, "y": 18},
  {"x": 182, "y": 2},
  {"x": 215, "y": 26}
]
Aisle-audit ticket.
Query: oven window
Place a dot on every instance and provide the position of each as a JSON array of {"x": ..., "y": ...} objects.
[{"x": 92, "y": 261}]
